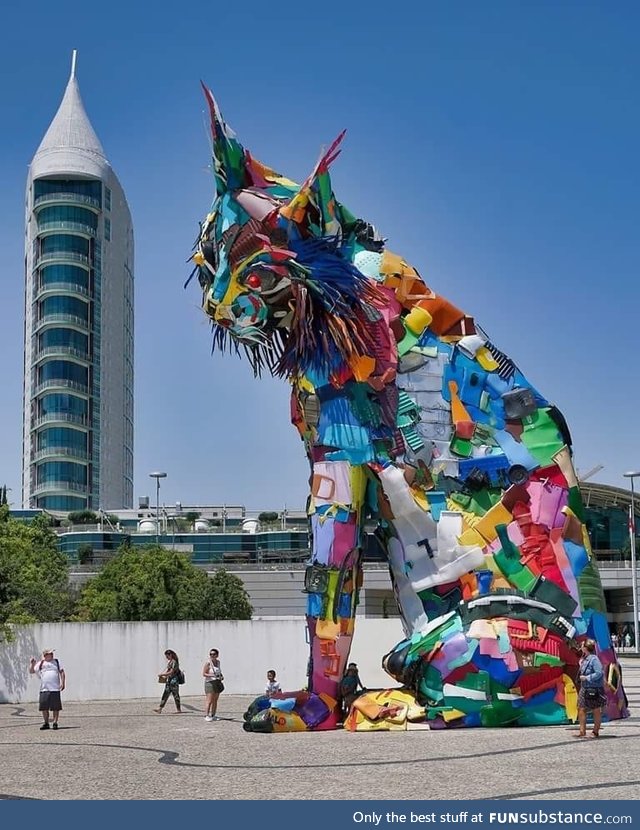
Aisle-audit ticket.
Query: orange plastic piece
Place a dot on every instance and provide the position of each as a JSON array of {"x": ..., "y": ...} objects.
[
  {"x": 458, "y": 412},
  {"x": 328, "y": 651}
]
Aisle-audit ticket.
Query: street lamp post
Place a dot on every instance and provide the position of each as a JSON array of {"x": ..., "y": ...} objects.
[
  {"x": 634, "y": 578},
  {"x": 157, "y": 477}
]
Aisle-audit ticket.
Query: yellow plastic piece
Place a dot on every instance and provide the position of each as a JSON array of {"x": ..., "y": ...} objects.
[
  {"x": 497, "y": 515},
  {"x": 452, "y": 714},
  {"x": 417, "y": 320},
  {"x": 287, "y": 722},
  {"x": 198, "y": 258},
  {"x": 570, "y": 698},
  {"x": 327, "y": 629},
  {"x": 486, "y": 359},
  {"x": 471, "y": 538}
]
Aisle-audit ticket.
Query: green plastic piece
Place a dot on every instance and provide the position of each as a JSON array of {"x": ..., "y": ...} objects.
[
  {"x": 590, "y": 588},
  {"x": 540, "y": 659},
  {"x": 541, "y": 437}
]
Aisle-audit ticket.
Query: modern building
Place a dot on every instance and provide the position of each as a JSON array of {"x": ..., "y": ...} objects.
[
  {"x": 270, "y": 556},
  {"x": 78, "y": 334}
]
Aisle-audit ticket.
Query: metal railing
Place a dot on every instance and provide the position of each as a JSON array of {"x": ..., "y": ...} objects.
[
  {"x": 61, "y": 452},
  {"x": 69, "y": 287},
  {"x": 61, "y": 256},
  {"x": 62, "y": 418},
  {"x": 72, "y": 198},
  {"x": 55, "y": 487},
  {"x": 60, "y": 383},
  {"x": 63, "y": 351},
  {"x": 61, "y": 225},
  {"x": 70, "y": 319}
]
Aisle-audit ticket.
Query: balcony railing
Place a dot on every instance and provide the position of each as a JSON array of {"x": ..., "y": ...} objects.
[
  {"x": 78, "y": 227},
  {"x": 60, "y": 383},
  {"x": 61, "y": 256},
  {"x": 71, "y": 319},
  {"x": 61, "y": 452},
  {"x": 60, "y": 418},
  {"x": 65, "y": 287},
  {"x": 63, "y": 351},
  {"x": 54, "y": 487},
  {"x": 69, "y": 198}
]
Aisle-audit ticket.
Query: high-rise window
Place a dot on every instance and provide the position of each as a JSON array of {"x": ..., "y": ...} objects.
[
  {"x": 63, "y": 370},
  {"x": 59, "y": 304}
]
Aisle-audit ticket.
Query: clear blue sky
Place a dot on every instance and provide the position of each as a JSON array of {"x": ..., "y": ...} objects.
[{"x": 494, "y": 144}]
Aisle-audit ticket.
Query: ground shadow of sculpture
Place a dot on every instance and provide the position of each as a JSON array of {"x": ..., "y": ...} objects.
[{"x": 411, "y": 414}]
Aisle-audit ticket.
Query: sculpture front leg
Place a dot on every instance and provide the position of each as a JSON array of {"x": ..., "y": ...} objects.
[{"x": 332, "y": 581}]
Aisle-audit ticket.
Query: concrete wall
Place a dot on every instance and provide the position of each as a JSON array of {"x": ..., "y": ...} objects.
[{"x": 111, "y": 661}]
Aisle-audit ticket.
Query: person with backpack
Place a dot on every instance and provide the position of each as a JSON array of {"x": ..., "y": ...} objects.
[
  {"x": 52, "y": 682},
  {"x": 171, "y": 677}
]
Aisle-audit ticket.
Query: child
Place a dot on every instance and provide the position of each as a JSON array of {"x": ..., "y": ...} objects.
[
  {"x": 272, "y": 684},
  {"x": 349, "y": 687}
]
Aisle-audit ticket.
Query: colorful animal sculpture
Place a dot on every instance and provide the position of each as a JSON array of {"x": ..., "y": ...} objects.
[{"x": 409, "y": 413}]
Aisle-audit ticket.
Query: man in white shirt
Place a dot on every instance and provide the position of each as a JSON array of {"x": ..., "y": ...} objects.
[{"x": 52, "y": 682}]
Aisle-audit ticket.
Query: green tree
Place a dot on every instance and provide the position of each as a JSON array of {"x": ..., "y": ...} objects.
[
  {"x": 268, "y": 518},
  {"x": 34, "y": 575},
  {"x": 152, "y": 583},
  {"x": 83, "y": 517}
]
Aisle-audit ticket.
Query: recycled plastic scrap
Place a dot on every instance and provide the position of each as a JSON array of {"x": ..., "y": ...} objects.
[{"x": 409, "y": 413}]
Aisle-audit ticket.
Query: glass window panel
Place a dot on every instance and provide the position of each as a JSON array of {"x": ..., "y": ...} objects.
[
  {"x": 64, "y": 337},
  {"x": 64, "y": 243},
  {"x": 61, "y": 471},
  {"x": 62, "y": 404},
  {"x": 64, "y": 273},
  {"x": 91, "y": 188},
  {"x": 62, "y": 503},
  {"x": 67, "y": 213},
  {"x": 64, "y": 305},
  {"x": 63, "y": 370},
  {"x": 62, "y": 437}
]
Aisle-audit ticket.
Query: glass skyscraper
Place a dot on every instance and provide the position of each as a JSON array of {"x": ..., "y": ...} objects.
[{"x": 78, "y": 335}]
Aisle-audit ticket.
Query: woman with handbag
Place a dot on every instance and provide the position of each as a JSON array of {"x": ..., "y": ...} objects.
[
  {"x": 591, "y": 697},
  {"x": 213, "y": 685},
  {"x": 171, "y": 679}
]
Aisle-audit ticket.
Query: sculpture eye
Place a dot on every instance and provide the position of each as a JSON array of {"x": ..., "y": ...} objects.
[{"x": 253, "y": 281}]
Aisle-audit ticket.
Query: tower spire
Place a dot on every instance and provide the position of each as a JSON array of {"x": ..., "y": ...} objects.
[{"x": 74, "y": 56}]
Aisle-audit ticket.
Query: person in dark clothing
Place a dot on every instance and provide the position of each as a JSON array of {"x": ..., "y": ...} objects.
[{"x": 170, "y": 676}]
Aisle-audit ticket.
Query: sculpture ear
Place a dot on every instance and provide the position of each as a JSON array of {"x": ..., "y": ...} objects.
[
  {"x": 314, "y": 209},
  {"x": 229, "y": 160}
]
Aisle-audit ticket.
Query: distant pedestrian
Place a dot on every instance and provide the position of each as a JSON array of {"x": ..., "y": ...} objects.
[
  {"x": 591, "y": 697},
  {"x": 614, "y": 640},
  {"x": 349, "y": 688},
  {"x": 213, "y": 685},
  {"x": 171, "y": 678},
  {"x": 52, "y": 682},
  {"x": 272, "y": 686},
  {"x": 627, "y": 640}
]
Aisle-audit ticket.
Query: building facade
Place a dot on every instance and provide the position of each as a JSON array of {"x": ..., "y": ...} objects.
[{"x": 78, "y": 334}]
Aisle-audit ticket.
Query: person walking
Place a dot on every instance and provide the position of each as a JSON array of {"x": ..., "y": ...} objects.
[
  {"x": 171, "y": 677},
  {"x": 272, "y": 686},
  {"x": 213, "y": 685},
  {"x": 52, "y": 681},
  {"x": 591, "y": 697}
]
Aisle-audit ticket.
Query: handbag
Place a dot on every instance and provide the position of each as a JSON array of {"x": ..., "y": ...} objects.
[
  {"x": 181, "y": 677},
  {"x": 592, "y": 695},
  {"x": 218, "y": 686}
]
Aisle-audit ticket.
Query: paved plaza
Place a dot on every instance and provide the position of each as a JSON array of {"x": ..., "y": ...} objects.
[{"x": 122, "y": 750}]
